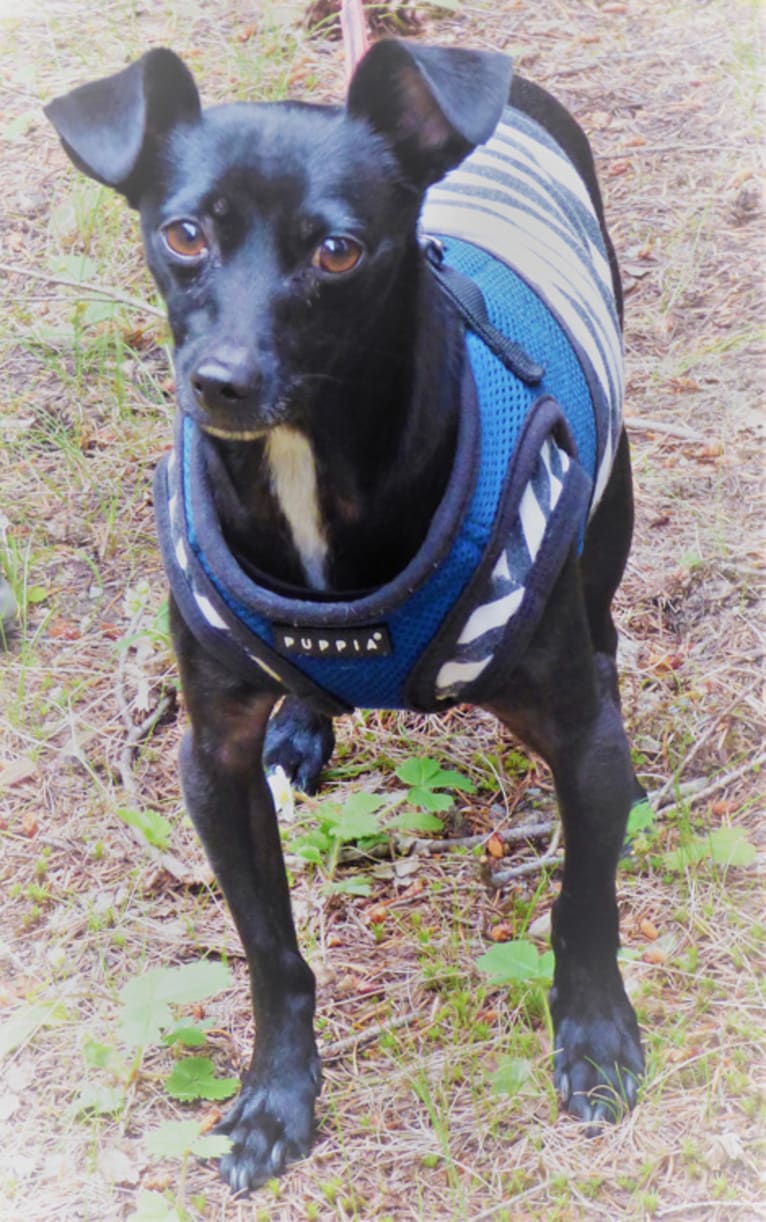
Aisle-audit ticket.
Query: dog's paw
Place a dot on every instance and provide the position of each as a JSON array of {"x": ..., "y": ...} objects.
[
  {"x": 270, "y": 1125},
  {"x": 299, "y": 741},
  {"x": 598, "y": 1059}
]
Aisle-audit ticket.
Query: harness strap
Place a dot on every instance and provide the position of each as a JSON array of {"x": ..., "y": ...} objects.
[{"x": 467, "y": 298}]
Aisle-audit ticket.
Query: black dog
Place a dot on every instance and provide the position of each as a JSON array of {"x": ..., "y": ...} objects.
[{"x": 335, "y": 436}]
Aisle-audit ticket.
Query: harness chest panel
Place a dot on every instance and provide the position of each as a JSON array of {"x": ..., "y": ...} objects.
[{"x": 533, "y": 457}]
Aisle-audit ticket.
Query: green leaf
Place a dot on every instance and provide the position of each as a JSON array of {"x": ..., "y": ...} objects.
[
  {"x": 729, "y": 846},
  {"x": 101, "y": 1056},
  {"x": 314, "y": 845},
  {"x": 362, "y": 803},
  {"x": 424, "y": 776},
  {"x": 510, "y": 1076},
  {"x": 173, "y": 1139},
  {"x": 154, "y": 827},
  {"x": 640, "y": 818},
  {"x": 308, "y": 852},
  {"x": 211, "y": 1145},
  {"x": 516, "y": 963},
  {"x": 354, "y": 820},
  {"x": 99, "y": 1099},
  {"x": 143, "y": 1022},
  {"x": 36, "y": 594},
  {"x": 726, "y": 846},
  {"x": 26, "y": 1022},
  {"x": 194, "y": 1078},
  {"x": 145, "y": 999},
  {"x": 355, "y": 825},
  {"x": 183, "y": 985},
  {"x": 102, "y": 310},
  {"x": 189, "y": 1036},
  {"x": 417, "y": 821},
  {"x": 428, "y": 799},
  {"x": 177, "y": 1138},
  {"x": 348, "y": 886},
  {"x": 74, "y": 267},
  {"x": 455, "y": 780},
  {"x": 152, "y": 1207},
  {"x": 418, "y": 771},
  {"x": 685, "y": 855}
]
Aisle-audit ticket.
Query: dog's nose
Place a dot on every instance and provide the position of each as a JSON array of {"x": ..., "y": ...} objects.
[{"x": 220, "y": 383}]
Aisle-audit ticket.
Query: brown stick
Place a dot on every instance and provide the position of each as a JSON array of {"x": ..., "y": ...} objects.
[
  {"x": 84, "y": 287},
  {"x": 354, "y": 29},
  {"x": 340, "y": 1047}
]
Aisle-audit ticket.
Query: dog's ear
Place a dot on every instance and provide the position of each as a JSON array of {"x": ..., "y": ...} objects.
[
  {"x": 433, "y": 104},
  {"x": 107, "y": 126}
]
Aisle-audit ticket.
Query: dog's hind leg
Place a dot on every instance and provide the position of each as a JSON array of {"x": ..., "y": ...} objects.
[
  {"x": 602, "y": 564},
  {"x": 560, "y": 700},
  {"x": 605, "y": 551},
  {"x": 272, "y": 1122},
  {"x": 300, "y": 741}
]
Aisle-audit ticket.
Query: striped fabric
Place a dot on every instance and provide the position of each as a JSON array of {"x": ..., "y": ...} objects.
[
  {"x": 196, "y": 600},
  {"x": 520, "y": 198},
  {"x": 484, "y": 630}
]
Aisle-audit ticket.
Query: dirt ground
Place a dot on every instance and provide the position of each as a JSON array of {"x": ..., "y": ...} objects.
[{"x": 411, "y": 1125}]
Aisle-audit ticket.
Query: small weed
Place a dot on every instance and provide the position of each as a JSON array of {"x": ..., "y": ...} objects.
[
  {"x": 511, "y": 1076},
  {"x": 723, "y": 847},
  {"x": 368, "y": 820},
  {"x": 177, "y": 1140},
  {"x": 155, "y": 829},
  {"x": 146, "y": 1018}
]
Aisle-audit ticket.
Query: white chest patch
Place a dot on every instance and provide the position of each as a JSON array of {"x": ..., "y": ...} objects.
[{"x": 294, "y": 483}]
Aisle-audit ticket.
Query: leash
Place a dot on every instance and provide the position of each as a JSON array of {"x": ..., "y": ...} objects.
[{"x": 354, "y": 29}]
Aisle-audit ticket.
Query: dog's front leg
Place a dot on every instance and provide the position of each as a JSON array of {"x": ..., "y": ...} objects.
[
  {"x": 272, "y": 1122},
  {"x": 562, "y": 702},
  {"x": 598, "y": 1060}
]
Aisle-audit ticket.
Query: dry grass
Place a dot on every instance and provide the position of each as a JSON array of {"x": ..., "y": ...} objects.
[{"x": 410, "y": 1128}]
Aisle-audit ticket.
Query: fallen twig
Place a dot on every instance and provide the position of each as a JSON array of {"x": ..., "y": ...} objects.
[
  {"x": 509, "y": 835},
  {"x": 697, "y": 790},
  {"x": 659, "y": 795},
  {"x": 84, "y": 287},
  {"x": 498, "y": 878},
  {"x": 642, "y": 150},
  {"x": 331, "y": 1052},
  {"x": 134, "y": 737},
  {"x": 642, "y": 424}
]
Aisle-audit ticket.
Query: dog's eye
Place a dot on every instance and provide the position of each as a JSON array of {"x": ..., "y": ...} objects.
[
  {"x": 337, "y": 255},
  {"x": 185, "y": 238}
]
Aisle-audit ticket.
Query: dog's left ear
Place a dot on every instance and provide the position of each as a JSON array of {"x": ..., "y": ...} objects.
[{"x": 433, "y": 104}]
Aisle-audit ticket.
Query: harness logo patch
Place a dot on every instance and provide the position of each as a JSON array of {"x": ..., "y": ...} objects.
[{"x": 345, "y": 643}]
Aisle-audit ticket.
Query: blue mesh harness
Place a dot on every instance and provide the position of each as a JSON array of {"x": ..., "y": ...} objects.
[{"x": 536, "y": 442}]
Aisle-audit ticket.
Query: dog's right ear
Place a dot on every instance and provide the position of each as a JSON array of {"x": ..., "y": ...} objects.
[
  {"x": 107, "y": 126},
  {"x": 432, "y": 104}
]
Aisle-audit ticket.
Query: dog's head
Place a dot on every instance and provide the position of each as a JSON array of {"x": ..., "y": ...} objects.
[{"x": 278, "y": 232}]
